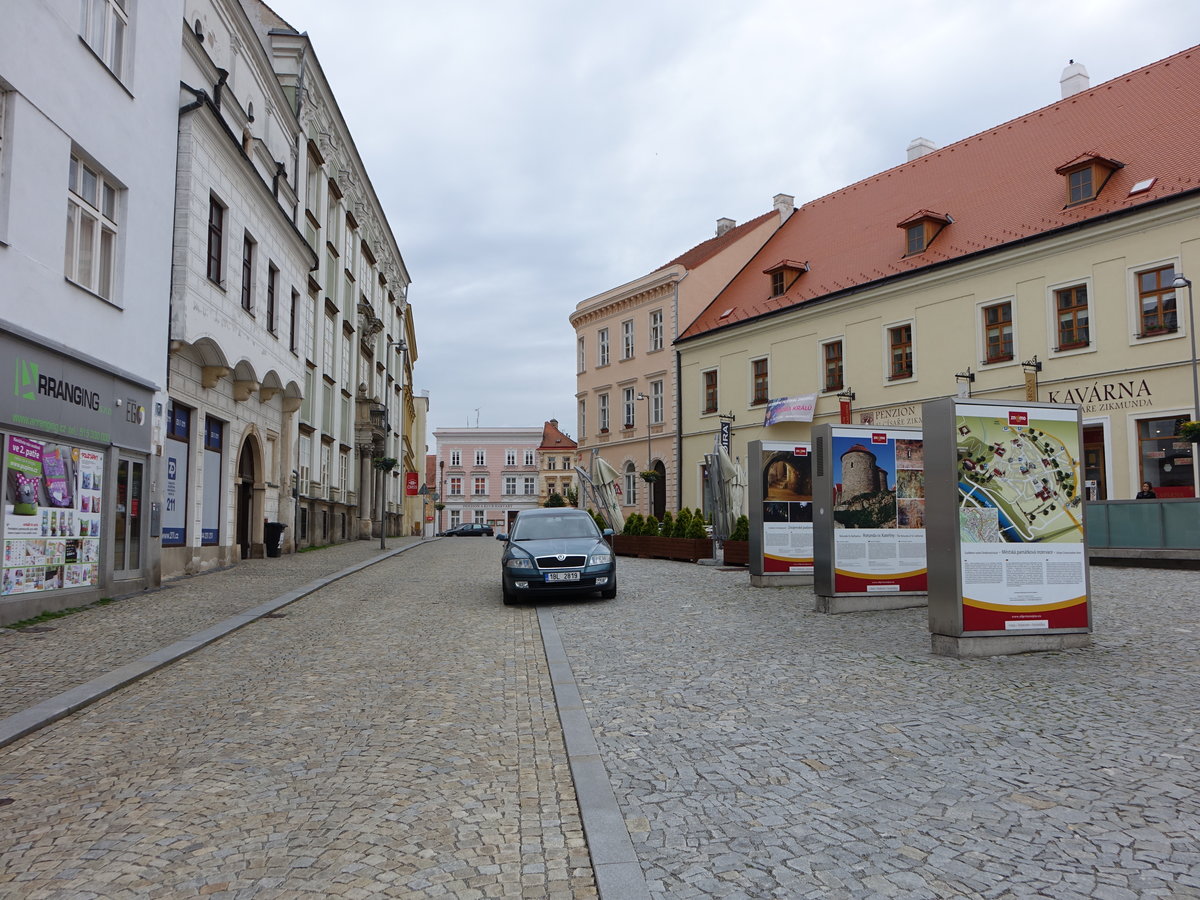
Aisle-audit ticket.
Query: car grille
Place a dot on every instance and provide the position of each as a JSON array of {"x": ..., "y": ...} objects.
[{"x": 568, "y": 562}]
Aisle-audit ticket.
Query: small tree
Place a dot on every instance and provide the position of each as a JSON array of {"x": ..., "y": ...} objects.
[
  {"x": 741, "y": 530},
  {"x": 633, "y": 524},
  {"x": 651, "y": 526},
  {"x": 572, "y": 496},
  {"x": 667, "y": 529},
  {"x": 555, "y": 499},
  {"x": 696, "y": 526},
  {"x": 683, "y": 522}
]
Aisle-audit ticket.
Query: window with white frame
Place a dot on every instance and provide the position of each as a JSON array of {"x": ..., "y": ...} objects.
[
  {"x": 900, "y": 351},
  {"x": 566, "y": 463},
  {"x": 528, "y": 485},
  {"x": 581, "y": 357},
  {"x": 479, "y": 485},
  {"x": 456, "y": 457},
  {"x": 92, "y": 209},
  {"x": 305, "y": 462},
  {"x": 103, "y": 25},
  {"x": 456, "y": 486},
  {"x": 627, "y": 339},
  {"x": 248, "y": 247},
  {"x": 657, "y": 400},
  {"x": 480, "y": 458},
  {"x": 455, "y": 518},
  {"x": 603, "y": 412},
  {"x": 583, "y": 417},
  {"x": 510, "y": 457},
  {"x": 602, "y": 347},
  {"x": 272, "y": 288},
  {"x": 551, "y": 462},
  {"x": 529, "y": 457},
  {"x": 656, "y": 330},
  {"x": 478, "y": 515},
  {"x": 215, "y": 262},
  {"x": 709, "y": 397},
  {"x": 510, "y": 485},
  {"x": 629, "y": 498},
  {"x": 627, "y": 407},
  {"x": 344, "y": 471}
]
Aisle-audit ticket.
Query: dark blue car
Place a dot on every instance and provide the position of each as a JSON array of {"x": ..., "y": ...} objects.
[{"x": 556, "y": 551}]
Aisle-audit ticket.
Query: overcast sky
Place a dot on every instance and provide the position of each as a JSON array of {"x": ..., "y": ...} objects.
[{"x": 530, "y": 154}]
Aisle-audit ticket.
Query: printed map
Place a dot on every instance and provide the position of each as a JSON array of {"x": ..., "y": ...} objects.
[{"x": 1026, "y": 477}]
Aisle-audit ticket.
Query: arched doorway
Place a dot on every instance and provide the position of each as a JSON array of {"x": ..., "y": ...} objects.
[
  {"x": 247, "y": 477},
  {"x": 658, "y": 491}
]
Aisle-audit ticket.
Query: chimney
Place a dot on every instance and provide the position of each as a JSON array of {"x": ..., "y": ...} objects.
[
  {"x": 918, "y": 147},
  {"x": 785, "y": 205},
  {"x": 725, "y": 225},
  {"x": 1074, "y": 79}
]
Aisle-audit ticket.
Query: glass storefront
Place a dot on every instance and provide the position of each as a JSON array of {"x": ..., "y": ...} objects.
[{"x": 1165, "y": 458}]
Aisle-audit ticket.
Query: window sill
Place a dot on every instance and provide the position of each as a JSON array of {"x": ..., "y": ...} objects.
[
  {"x": 903, "y": 376},
  {"x": 997, "y": 360},
  {"x": 1160, "y": 332},
  {"x": 1069, "y": 348}
]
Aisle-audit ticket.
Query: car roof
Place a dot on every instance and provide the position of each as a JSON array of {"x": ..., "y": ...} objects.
[{"x": 552, "y": 511}]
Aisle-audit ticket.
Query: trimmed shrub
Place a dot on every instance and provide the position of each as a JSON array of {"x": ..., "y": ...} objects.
[
  {"x": 741, "y": 529},
  {"x": 667, "y": 528},
  {"x": 683, "y": 522}
]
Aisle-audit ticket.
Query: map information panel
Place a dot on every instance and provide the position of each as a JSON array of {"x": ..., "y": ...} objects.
[{"x": 1023, "y": 557}]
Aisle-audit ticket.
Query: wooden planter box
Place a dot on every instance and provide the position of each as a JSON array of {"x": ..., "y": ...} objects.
[
  {"x": 737, "y": 553},
  {"x": 646, "y": 547}
]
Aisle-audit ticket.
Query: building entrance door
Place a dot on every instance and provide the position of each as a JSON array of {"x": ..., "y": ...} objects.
[
  {"x": 245, "y": 499},
  {"x": 127, "y": 530},
  {"x": 1095, "y": 486}
]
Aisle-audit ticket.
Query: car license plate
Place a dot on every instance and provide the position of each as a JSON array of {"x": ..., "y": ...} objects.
[{"x": 562, "y": 576}]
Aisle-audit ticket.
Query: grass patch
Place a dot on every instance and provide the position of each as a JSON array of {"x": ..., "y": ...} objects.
[
  {"x": 317, "y": 547},
  {"x": 58, "y": 614}
]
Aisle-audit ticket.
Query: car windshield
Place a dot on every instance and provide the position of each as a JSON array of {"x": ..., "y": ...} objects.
[{"x": 542, "y": 528}]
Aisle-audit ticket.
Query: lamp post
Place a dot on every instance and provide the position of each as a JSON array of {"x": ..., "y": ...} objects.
[
  {"x": 402, "y": 349},
  {"x": 1182, "y": 282}
]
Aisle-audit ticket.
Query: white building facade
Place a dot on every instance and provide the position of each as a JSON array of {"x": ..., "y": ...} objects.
[
  {"x": 240, "y": 268},
  {"x": 88, "y": 112}
]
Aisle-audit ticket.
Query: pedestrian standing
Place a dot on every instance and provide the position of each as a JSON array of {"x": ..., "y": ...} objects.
[{"x": 1146, "y": 493}]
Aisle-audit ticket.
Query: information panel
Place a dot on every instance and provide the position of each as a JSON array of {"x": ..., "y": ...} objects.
[
  {"x": 1023, "y": 560},
  {"x": 876, "y": 523},
  {"x": 781, "y": 508}
]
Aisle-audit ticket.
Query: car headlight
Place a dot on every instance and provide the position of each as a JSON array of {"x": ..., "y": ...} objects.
[
  {"x": 600, "y": 559},
  {"x": 518, "y": 562}
]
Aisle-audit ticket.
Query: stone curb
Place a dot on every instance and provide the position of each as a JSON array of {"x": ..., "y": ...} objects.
[
  {"x": 29, "y": 720},
  {"x": 614, "y": 861}
]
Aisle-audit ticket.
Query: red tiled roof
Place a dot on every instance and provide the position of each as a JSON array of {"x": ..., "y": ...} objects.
[
  {"x": 998, "y": 187},
  {"x": 705, "y": 251},
  {"x": 553, "y": 439}
]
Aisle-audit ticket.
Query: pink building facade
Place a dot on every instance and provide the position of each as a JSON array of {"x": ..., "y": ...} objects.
[{"x": 486, "y": 475}]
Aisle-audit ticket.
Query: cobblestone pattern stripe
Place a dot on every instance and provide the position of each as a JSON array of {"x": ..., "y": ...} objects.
[{"x": 614, "y": 862}]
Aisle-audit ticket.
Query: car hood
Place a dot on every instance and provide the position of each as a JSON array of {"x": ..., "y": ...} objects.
[{"x": 554, "y": 546}]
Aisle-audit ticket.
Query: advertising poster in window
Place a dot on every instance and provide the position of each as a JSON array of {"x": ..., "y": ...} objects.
[
  {"x": 878, "y": 511},
  {"x": 787, "y": 514},
  {"x": 210, "y": 526},
  {"x": 52, "y": 513},
  {"x": 174, "y": 515},
  {"x": 1023, "y": 558}
]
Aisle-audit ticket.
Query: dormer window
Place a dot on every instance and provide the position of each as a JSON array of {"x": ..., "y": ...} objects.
[
  {"x": 784, "y": 274},
  {"x": 1086, "y": 176},
  {"x": 921, "y": 228}
]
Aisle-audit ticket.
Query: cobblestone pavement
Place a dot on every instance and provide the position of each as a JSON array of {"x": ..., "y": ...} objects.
[
  {"x": 759, "y": 749},
  {"x": 393, "y": 734},
  {"x": 36, "y": 665}
]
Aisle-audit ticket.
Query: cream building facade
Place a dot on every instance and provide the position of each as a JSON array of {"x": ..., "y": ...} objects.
[
  {"x": 1060, "y": 275},
  {"x": 626, "y": 374}
]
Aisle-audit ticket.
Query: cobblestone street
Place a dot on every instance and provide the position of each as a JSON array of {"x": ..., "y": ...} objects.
[{"x": 395, "y": 734}]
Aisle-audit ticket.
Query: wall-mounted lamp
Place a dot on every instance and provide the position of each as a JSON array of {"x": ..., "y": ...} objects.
[{"x": 968, "y": 377}]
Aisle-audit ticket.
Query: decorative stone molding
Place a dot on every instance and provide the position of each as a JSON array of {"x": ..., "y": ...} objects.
[
  {"x": 243, "y": 389},
  {"x": 266, "y": 393},
  {"x": 291, "y": 404},
  {"x": 210, "y": 375}
]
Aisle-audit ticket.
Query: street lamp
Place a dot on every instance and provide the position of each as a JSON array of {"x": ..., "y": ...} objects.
[
  {"x": 649, "y": 456},
  {"x": 402, "y": 349},
  {"x": 1181, "y": 282}
]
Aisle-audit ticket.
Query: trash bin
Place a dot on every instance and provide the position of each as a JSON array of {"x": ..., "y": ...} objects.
[{"x": 273, "y": 537}]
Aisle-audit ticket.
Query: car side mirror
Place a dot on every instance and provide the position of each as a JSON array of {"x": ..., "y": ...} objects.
[
  {"x": 607, "y": 532},
  {"x": 502, "y": 536}
]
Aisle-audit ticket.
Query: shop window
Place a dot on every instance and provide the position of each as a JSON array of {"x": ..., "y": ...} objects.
[
  {"x": 174, "y": 515},
  {"x": 1165, "y": 457},
  {"x": 214, "y": 446}
]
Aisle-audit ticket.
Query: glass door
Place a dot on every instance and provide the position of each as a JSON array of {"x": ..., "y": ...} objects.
[{"x": 127, "y": 533}]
